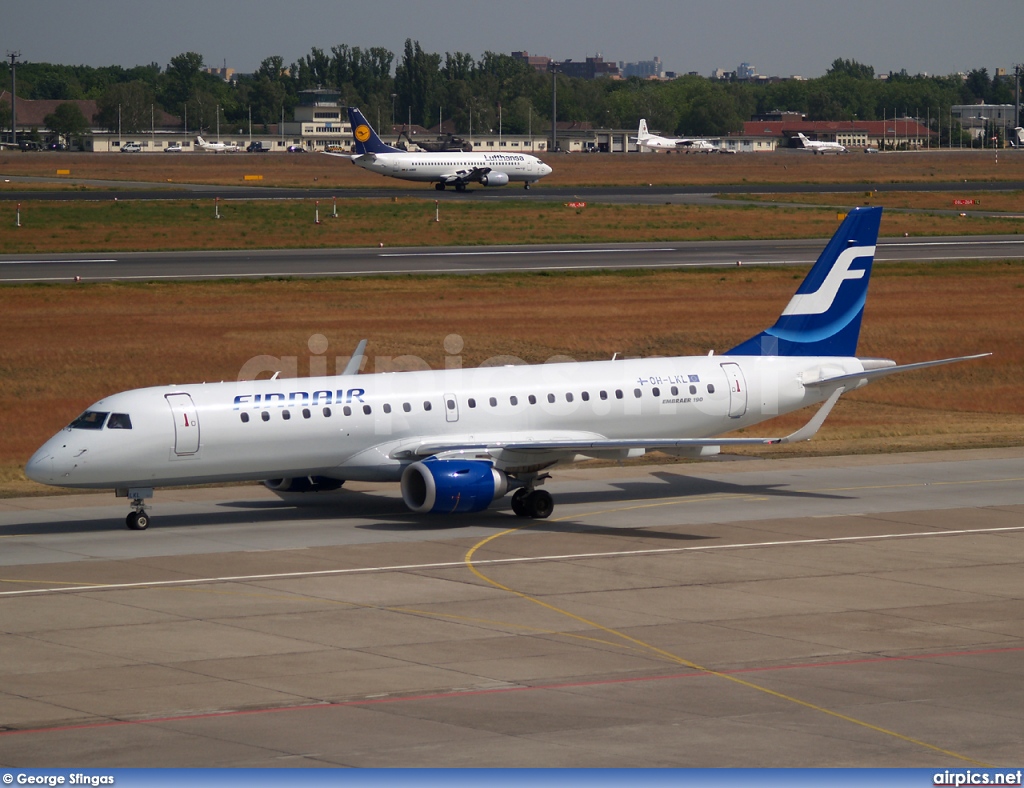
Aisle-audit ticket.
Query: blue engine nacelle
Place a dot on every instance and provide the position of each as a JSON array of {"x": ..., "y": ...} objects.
[
  {"x": 446, "y": 486},
  {"x": 494, "y": 179}
]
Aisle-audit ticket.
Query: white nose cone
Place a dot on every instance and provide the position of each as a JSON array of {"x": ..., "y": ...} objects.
[{"x": 40, "y": 467}]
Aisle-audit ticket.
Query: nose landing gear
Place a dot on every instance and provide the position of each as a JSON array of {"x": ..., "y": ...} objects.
[{"x": 137, "y": 519}]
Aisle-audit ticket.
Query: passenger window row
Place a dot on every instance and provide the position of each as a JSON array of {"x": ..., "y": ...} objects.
[
  {"x": 585, "y": 396},
  {"x": 471, "y": 402}
]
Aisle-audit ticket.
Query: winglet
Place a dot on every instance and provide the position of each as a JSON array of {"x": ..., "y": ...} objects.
[{"x": 354, "y": 363}]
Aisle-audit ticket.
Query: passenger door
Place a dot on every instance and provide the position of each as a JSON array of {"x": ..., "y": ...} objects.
[
  {"x": 737, "y": 390},
  {"x": 186, "y": 424}
]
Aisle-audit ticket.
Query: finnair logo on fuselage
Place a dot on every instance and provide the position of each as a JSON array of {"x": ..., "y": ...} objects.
[{"x": 820, "y": 301}]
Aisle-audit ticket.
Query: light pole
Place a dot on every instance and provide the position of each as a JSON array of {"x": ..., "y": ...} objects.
[
  {"x": 554, "y": 105},
  {"x": 14, "y": 101},
  {"x": 393, "y": 97}
]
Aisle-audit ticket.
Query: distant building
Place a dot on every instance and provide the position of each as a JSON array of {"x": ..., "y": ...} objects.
[
  {"x": 980, "y": 120},
  {"x": 904, "y": 133},
  {"x": 645, "y": 69},
  {"x": 32, "y": 114},
  {"x": 534, "y": 61},
  {"x": 591, "y": 68}
]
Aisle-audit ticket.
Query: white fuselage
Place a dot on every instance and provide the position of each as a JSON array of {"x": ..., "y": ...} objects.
[
  {"x": 816, "y": 146},
  {"x": 368, "y": 427},
  {"x": 680, "y": 144},
  {"x": 447, "y": 166}
]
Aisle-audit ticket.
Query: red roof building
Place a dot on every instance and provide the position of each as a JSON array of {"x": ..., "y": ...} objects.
[{"x": 893, "y": 132}]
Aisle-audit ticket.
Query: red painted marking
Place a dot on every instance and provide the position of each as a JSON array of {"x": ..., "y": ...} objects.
[{"x": 474, "y": 693}]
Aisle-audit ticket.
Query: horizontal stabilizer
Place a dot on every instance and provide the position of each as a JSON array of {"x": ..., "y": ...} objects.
[{"x": 873, "y": 374}]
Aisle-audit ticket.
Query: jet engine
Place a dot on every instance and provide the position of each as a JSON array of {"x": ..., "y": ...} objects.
[
  {"x": 494, "y": 179},
  {"x": 301, "y": 484},
  {"x": 446, "y": 486}
]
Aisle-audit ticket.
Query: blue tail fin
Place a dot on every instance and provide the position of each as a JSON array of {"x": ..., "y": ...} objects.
[
  {"x": 367, "y": 140},
  {"x": 823, "y": 318}
]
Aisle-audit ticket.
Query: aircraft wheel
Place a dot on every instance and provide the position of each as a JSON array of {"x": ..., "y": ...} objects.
[
  {"x": 519, "y": 502},
  {"x": 460, "y": 187},
  {"x": 526, "y": 185},
  {"x": 439, "y": 186},
  {"x": 137, "y": 521},
  {"x": 540, "y": 504}
]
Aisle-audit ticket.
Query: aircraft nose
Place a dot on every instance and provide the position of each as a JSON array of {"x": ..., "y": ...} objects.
[{"x": 40, "y": 467}]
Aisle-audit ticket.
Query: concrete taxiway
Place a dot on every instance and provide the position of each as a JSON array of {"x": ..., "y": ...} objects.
[
  {"x": 254, "y": 264},
  {"x": 779, "y": 612}
]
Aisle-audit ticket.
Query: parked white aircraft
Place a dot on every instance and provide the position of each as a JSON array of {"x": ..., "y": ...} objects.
[
  {"x": 217, "y": 147},
  {"x": 686, "y": 144},
  {"x": 1017, "y": 141},
  {"x": 442, "y": 168},
  {"x": 815, "y": 146},
  {"x": 458, "y": 439}
]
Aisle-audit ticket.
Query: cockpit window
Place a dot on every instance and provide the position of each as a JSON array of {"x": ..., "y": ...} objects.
[
  {"x": 119, "y": 421},
  {"x": 90, "y": 420}
]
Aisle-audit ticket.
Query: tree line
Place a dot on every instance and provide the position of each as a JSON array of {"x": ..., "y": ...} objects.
[{"x": 480, "y": 93}]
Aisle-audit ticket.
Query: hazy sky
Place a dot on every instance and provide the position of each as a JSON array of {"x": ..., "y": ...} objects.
[{"x": 776, "y": 37}]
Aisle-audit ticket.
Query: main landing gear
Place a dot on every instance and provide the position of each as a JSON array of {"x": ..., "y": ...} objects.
[
  {"x": 137, "y": 519},
  {"x": 537, "y": 504},
  {"x": 529, "y": 501}
]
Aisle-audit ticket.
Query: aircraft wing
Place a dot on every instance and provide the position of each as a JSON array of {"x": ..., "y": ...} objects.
[
  {"x": 558, "y": 448},
  {"x": 349, "y": 156}
]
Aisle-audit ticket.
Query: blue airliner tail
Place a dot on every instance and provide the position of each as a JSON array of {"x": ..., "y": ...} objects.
[
  {"x": 823, "y": 318},
  {"x": 367, "y": 140}
]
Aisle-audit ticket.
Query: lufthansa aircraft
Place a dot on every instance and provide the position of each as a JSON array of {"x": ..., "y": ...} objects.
[
  {"x": 458, "y": 439},
  {"x": 446, "y": 168}
]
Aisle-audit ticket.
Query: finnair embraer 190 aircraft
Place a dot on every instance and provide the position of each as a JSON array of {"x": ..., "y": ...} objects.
[
  {"x": 459, "y": 439},
  {"x": 445, "y": 168}
]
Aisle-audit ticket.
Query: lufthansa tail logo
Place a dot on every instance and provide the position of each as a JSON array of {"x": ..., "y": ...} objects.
[{"x": 362, "y": 133}]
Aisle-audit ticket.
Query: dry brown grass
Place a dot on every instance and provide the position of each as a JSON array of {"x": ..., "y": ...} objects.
[
  {"x": 317, "y": 170},
  {"x": 66, "y": 346},
  {"x": 75, "y": 227}
]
